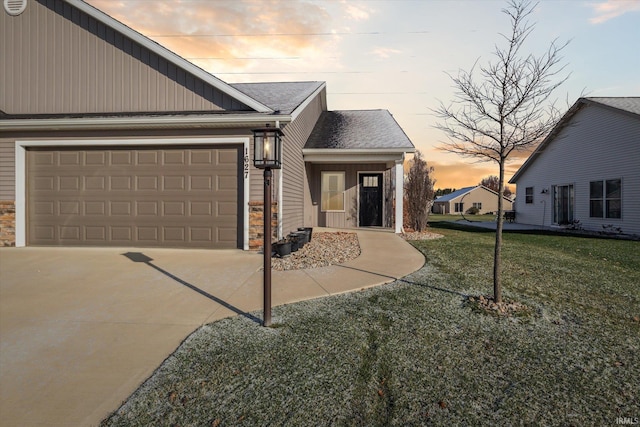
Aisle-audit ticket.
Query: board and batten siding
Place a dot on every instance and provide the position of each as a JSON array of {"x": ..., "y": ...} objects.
[
  {"x": 597, "y": 144},
  {"x": 55, "y": 59},
  {"x": 348, "y": 218}
]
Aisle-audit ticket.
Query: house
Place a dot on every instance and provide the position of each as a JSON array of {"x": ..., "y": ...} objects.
[
  {"x": 460, "y": 201},
  {"x": 586, "y": 172},
  {"x": 109, "y": 139}
]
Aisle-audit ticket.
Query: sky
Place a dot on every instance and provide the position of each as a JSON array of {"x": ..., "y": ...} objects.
[{"x": 392, "y": 54}]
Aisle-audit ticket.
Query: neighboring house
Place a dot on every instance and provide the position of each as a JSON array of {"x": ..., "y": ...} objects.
[
  {"x": 587, "y": 169},
  {"x": 109, "y": 139},
  {"x": 459, "y": 201}
]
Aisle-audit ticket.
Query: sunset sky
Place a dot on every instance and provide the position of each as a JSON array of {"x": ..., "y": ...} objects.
[{"x": 391, "y": 54}]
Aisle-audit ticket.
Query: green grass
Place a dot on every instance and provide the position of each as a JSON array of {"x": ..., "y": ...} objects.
[{"x": 413, "y": 353}]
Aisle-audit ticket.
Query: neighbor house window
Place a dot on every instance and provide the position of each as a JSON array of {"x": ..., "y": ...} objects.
[
  {"x": 605, "y": 198},
  {"x": 459, "y": 207},
  {"x": 528, "y": 195},
  {"x": 332, "y": 191},
  {"x": 478, "y": 206}
]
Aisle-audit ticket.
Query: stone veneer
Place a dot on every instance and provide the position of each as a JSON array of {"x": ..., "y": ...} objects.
[
  {"x": 256, "y": 224},
  {"x": 256, "y": 237},
  {"x": 7, "y": 223}
]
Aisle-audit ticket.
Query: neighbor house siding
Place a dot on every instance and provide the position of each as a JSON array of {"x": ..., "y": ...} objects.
[
  {"x": 55, "y": 59},
  {"x": 348, "y": 218},
  {"x": 598, "y": 144}
]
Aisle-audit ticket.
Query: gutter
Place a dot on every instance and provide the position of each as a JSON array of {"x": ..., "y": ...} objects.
[{"x": 148, "y": 122}]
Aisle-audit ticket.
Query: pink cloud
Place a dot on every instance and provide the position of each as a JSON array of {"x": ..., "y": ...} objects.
[{"x": 610, "y": 9}]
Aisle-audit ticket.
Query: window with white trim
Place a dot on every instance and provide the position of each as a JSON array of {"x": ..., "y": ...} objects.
[
  {"x": 332, "y": 197},
  {"x": 458, "y": 207},
  {"x": 528, "y": 195},
  {"x": 605, "y": 198},
  {"x": 478, "y": 206}
]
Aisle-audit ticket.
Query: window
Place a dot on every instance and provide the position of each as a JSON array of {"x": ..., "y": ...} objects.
[
  {"x": 528, "y": 195},
  {"x": 459, "y": 207},
  {"x": 332, "y": 191},
  {"x": 478, "y": 206},
  {"x": 605, "y": 199}
]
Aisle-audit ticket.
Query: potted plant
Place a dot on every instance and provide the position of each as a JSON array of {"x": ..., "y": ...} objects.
[
  {"x": 308, "y": 230},
  {"x": 282, "y": 248},
  {"x": 294, "y": 239}
]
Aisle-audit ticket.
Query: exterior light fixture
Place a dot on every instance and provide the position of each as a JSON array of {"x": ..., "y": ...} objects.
[
  {"x": 267, "y": 148},
  {"x": 267, "y": 155}
]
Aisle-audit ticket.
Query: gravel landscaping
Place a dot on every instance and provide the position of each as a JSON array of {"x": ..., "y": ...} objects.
[
  {"x": 326, "y": 248},
  {"x": 417, "y": 351}
]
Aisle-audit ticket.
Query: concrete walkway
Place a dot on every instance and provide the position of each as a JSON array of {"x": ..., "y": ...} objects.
[
  {"x": 81, "y": 329},
  {"x": 507, "y": 226}
]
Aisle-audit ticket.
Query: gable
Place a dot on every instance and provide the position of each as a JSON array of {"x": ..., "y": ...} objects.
[
  {"x": 592, "y": 128},
  {"x": 58, "y": 59}
]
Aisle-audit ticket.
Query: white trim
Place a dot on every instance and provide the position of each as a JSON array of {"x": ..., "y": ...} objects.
[
  {"x": 169, "y": 56},
  {"x": 344, "y": 191},
  {"x": 352, "y": 156},
  {"x": 399, "y": 169},
  {"x": 140, "y": 122},
  {"x": 21, "y": 169},
  {"x": 300, "y": 108}
]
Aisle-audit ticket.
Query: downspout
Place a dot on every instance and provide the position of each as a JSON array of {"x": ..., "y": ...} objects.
[{"x": 280, "y": 197}]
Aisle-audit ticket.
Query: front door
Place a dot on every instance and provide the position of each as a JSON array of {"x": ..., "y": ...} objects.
[{"x": 370, "y": 200}]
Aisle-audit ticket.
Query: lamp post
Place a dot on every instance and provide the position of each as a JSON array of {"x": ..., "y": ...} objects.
[{"x": 267, "y": 155}]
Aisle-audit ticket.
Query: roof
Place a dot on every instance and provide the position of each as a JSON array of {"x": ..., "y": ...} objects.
[
  {"x": 283, "y": 98},
  {"x": 624, "y": 105},
  {"x": 358, "y": 129},
  {"x": 449, "y": 197},
  {"x": 629, "y": 104}
]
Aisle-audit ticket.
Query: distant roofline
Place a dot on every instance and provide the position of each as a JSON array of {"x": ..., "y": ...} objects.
[
  {"x": 169, "y": 55},
  {"x": 577, "y": 106}
]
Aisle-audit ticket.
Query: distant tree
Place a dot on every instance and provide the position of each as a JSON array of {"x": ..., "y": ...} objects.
[
  {"x": 418, "y": 192},
  {"x": 492, "y": 182},
  {"x": 444, "y": 191},
  {"x": 504, "y": 106}
]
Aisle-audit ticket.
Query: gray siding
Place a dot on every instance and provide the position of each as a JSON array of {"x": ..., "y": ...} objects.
[
  {"x": 55, "y": 59},
  {"x": 598, "y": 144},
  {"x": 348, "y": 218},
  {"x": 294, "y": 178},
  {"x": 7, "y": 170}
]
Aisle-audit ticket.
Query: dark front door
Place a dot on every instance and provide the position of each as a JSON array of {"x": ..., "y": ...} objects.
[{"x": 370, "y": 199}]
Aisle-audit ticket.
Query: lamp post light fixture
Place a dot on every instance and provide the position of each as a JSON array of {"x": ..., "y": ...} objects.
[{"x": 267, "y": 155}]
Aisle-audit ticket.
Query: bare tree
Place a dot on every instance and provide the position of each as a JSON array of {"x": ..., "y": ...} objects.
[
  {"x": 504, "y": 106},
  {"x": 419, "y": 192},
  {"x": 492, "y": 182}
]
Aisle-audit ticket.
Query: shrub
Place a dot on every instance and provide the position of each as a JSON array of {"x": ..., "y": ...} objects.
[{"x": 473, "y": 211}]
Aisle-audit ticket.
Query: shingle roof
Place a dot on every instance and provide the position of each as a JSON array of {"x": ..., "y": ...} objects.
[
  {"x": 453, "y": 195},
  {"x": 358, "y": 129},
  {"x": 630, "y": 104},
  {"x": 280, "y": 97}
]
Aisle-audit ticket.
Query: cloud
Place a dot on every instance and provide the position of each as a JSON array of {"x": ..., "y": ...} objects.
[
  {"x": 385, "y": 52},
  {"x": 609, "y": 9},
  {"x": 358, "y": 12},
  {"x": 232, "y": 36}
]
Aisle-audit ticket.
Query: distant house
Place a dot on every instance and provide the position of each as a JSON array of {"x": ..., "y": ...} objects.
[
  {"x": 587, "y": 169},
  {"x": 480, "y": 197},
  {"x": 109, "y": 139}
]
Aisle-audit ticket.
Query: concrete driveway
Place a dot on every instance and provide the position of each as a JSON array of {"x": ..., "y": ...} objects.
[{"x": 81, "y": 329}]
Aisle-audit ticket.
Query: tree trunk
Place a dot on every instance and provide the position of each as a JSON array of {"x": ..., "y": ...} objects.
[{"x": 497, "y": 255}]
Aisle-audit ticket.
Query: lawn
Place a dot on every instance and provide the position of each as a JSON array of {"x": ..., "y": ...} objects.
[{"x": 414, "y": 352}]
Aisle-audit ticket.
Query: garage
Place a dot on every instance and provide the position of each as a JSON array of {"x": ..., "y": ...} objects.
[{"x": 173, "y": 196}]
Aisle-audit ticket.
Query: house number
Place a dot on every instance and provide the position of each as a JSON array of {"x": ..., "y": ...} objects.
[{"x": 246, "y": 163}]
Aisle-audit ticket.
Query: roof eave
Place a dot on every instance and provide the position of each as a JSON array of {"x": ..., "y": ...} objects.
[
  {"x": 144, "y": 122},
  {"x": 169, "y": 56}
]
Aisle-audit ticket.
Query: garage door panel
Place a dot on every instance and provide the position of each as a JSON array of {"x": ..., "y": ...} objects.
[{"x": 172, "y": 197}]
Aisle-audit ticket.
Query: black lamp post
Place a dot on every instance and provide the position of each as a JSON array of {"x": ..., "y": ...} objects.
[{"x": 267, "y": 155}]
